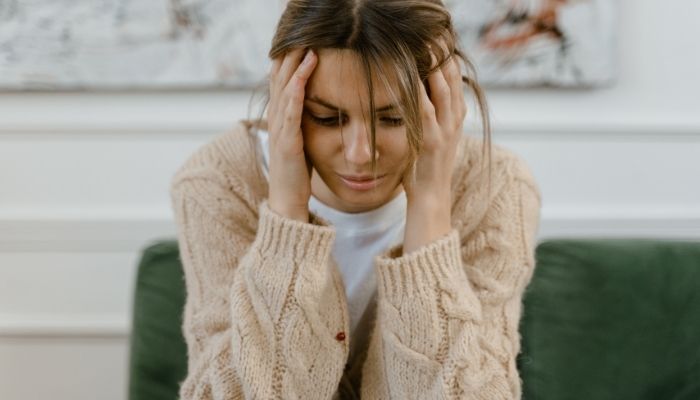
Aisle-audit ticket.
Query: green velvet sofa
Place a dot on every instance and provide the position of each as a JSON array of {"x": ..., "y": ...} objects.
[{"x": 603, "y": 319}]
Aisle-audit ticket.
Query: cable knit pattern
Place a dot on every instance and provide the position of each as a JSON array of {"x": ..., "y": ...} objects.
[{"x": 265, "y": 299}]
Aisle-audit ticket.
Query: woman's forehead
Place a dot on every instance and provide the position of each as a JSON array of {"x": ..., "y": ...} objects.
[{"x": 339, "y": 80}]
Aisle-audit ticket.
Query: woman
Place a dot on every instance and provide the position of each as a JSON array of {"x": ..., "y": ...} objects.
[{"x": 352, "y": 244}]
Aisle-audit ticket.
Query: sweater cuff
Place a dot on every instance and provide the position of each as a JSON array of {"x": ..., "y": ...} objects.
[
  {"x": 293, "y": 239},
  {"x": 437, "y": 265}
]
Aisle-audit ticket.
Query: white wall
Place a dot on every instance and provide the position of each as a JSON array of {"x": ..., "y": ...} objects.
[{"x": 83, "y": 187}]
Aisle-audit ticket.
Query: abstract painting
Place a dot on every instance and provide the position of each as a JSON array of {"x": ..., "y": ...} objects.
[
  {"x": 120, "y": 44},
  {"x": 174, "y": 44},
  {"x": 538, "y": 42}
]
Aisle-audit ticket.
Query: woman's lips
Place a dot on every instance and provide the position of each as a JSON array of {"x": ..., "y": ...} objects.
[{"x": 365, "y": 184}]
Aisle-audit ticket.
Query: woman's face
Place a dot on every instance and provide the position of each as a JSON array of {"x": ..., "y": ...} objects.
[{"x": 338, "y": 83}]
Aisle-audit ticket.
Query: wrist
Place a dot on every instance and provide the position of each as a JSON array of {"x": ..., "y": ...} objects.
[
  {"x": 428, "y": 218},
  {"x": 296, "y": 213},
  {"x": 436, "y": 215},
  {"x": 430, "y": 201}
]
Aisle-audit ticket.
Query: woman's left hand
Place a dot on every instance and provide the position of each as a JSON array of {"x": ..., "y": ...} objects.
[
  {"x": 443, "y": 114},
  {"x": 429, "y": 196}
]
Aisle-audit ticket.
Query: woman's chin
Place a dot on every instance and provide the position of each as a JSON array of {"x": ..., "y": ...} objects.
[
  {"x": 363, "y": 200},
  {"x": 348, "y": 197}
]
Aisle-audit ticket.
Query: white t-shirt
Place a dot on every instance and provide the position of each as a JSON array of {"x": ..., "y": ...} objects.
[{"x": 359, "y": 238}]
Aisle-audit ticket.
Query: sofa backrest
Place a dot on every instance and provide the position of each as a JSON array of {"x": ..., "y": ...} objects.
[{"x": 601, "y": 319}]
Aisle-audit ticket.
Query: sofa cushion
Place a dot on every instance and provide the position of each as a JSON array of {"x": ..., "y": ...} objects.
[{"x": 612, "y": 319}]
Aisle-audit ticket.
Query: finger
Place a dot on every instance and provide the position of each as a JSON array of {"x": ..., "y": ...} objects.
[
  {"x": 427, "y": 108},
  {"x": 289, "y": 65},
  {"x": 274, "y": 70},
  {"x": 440, "y": 96},
  {"x": 295, "y": 92},
  {"x": 453, "y": 75},
  {"x": 275, "y": 67},
  {"x": 301, "y": 75}
]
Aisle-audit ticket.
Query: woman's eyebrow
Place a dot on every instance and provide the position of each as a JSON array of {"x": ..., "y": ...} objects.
[{"x": 328, "y": 105}]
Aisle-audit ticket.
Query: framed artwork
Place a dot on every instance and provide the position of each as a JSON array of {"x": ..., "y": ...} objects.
[
  {"x": 126, "y": 44},
  {"x": 176, "y": 44},
  {"x": 569, "y": 43}
]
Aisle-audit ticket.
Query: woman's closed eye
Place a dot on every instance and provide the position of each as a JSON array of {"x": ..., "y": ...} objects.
[{"x": 333, "y": 121}]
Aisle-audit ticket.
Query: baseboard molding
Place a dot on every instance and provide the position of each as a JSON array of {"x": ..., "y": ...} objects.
[
  {"x": 666, "y": 223},
  {"x": 173, "y": 113},
  {"x": 65, "y": 326},
  {"x": 125, "y": 233}
]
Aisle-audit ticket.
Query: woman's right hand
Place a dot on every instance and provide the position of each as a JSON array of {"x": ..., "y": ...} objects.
[{"x": 290, "y": 169}]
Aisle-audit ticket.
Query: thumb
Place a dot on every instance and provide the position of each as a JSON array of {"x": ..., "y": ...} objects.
[
  {"x": 309, "y": 164},
  {"x": 409, "y": 177}
]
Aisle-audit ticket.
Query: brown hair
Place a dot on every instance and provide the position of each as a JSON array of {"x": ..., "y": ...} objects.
[{"x": 394, "y": 34}]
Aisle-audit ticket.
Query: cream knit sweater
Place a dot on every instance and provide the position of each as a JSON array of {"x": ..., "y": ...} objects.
[{"x": 266, "y": 314}]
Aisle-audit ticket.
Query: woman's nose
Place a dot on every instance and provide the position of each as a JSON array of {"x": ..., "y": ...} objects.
[{"x": 357, "y": 145}]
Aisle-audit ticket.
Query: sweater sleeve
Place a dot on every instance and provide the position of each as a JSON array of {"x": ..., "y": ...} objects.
[
  {"x": 449, "y": 311},
  {"x": 261, "y": 313}
]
